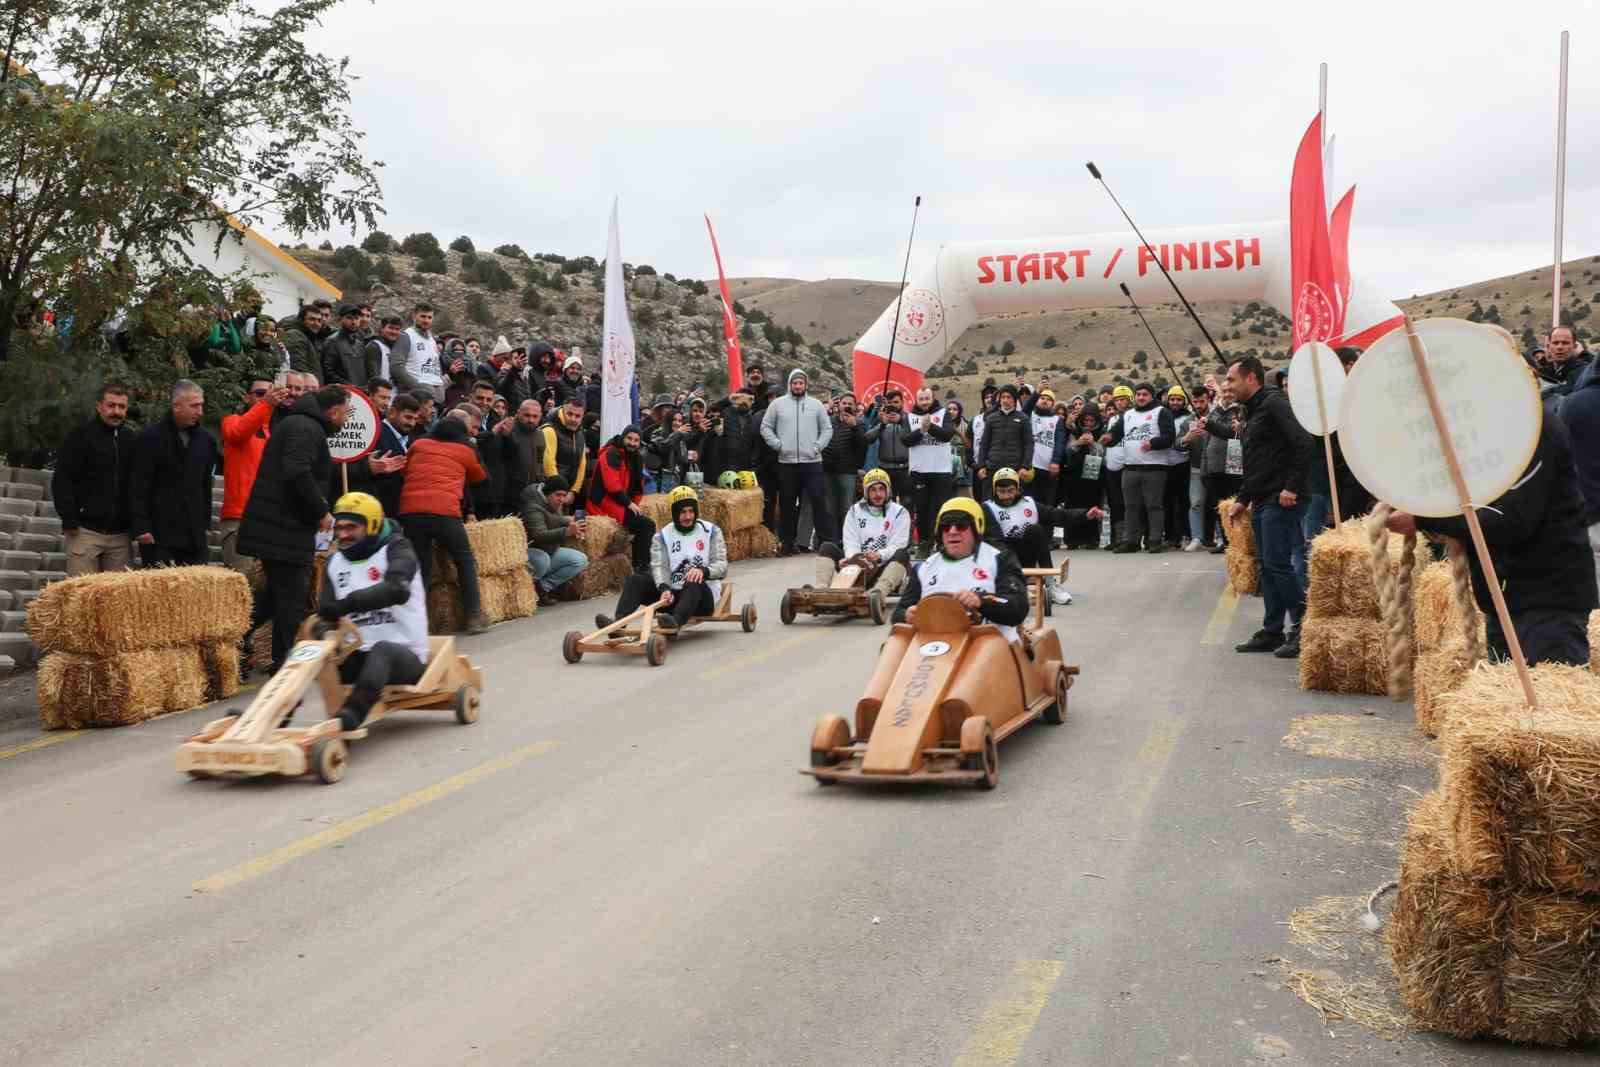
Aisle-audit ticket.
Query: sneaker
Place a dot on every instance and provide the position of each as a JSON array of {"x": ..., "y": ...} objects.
[
  {"x": 1192, "y": 546},
  {"x": 1262, "y": 641},
  {"x": 477, "y": 625},
  {"x": 1059, "y": 594},
  {"x": 602, "y": 620},
  {"x": 1290, "y": 649},
  {"x": 785, "y": 551},
  {"x": 1217, "y": 550}
]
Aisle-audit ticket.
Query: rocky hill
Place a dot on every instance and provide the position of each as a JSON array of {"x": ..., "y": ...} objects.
[{"x": 787, "y": 321}]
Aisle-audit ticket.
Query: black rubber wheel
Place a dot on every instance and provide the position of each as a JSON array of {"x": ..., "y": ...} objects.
[
  {"x": 655, "y": 653},
  {"x": 1049, "y": 605},
  {"x": 233, "y": 713},
  {"x": 981, "y": 755},
  {"x": 786, "y": 608},
  {"x": 1056, "y": 713},
  {"x": 198, "y": 775},
  {"x": 747, "y": 618},
  {"x": 328, "y": 759},
  {"x": 875, "y": 607},
  {"x": 569, "y": 646},
  {"x": 466, "y": 705}
]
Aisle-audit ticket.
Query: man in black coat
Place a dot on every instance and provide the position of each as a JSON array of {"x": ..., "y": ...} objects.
[
  {"x": 344, "y": 354},
  {"x": 842, "y": 460},
  {"x": 90, "y": 487},
  {"x": 524, "y": 451},
  {"x": 169, "y": 483},
  {"x": 287, "y": 508}
]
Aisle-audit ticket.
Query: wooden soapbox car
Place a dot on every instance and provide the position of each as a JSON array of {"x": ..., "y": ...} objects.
[
  {"x": 636, "y": 633},
  {"x": 846, "y": 595},
  {"x": 947, "y": 689},
  {"x": 252, "y": 742}
]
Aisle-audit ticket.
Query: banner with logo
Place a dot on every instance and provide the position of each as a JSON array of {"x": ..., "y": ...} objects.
[{"x": 616, "y": 346}]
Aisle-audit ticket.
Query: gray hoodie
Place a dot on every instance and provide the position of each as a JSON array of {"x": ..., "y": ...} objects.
[{"x": 797, "y": 428}]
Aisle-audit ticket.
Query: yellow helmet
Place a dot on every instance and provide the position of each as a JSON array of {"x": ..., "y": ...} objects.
[
  {"x": 1122, "y": 391},
  {"x": 1051, "y": 393},
  {"x": 747, "y": 480},
  {"x": 363, "y": 506},
  {"x": 1177, "y": 390},
  {"x": 965, "y": 505},
  {"x": 1006, "y": 474},
  {"x": 681, "y": 495},
  {"x": 877, "y": 476}
]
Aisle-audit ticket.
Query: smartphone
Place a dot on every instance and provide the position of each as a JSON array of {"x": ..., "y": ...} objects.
[{"x": 580, "y": 515}]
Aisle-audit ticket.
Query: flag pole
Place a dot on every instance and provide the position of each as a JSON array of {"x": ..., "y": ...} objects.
[
  {"x": 1561, "y": 182},
  {"x": 904, "y": 274}
]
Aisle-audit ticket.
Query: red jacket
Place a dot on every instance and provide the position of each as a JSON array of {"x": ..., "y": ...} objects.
[
  {"x": 244, "y": 438},
  {"x": 438, "y": 469},
  {"x": 619, "y": 482}
]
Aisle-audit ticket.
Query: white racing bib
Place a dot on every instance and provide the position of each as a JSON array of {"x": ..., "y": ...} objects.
[
  {"x": 930, "y": 456},
  {"x": 877, "y": 533},
  {"x": 977, "y": 572},
  {"x": 1014, "y": 520},
  {"x": 1044, "y": 439},
  {"x": 1137, "y": 428},
  {"x": 686, "y": 551},
  {"x": 401, "y": 624},
  {"x": 422, "y": 363}
]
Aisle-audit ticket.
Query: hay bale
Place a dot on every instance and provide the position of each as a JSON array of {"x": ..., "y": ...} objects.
[
  {"x": 654, "y": 506},
  {"x": 499, "y": 545},
  {"x": 1434, "y": 600},
  {"x": 1552, "y": 968},
  {"x": 756, "y": 542},
  {"x": 1244, "y": 572},
  {"x": 603, "y": 537},
  {"x": 119, "y": 689},
  {"x": 1443, "y": 935},
  {"x": 1594, "y": 641},
  {"x": 1344, "y": 654},
  {"x": 1340, "y": 571},
  {"x": 127, "y": 611},
  {"x": 732, "y": 509},
  {"x": 1436, "y": 672},
  {"x": 221, "y": 662},
  {"x": 1522, "y": 788},
  {"x": 1240, "y": 533},
  {"x": 508, "y": 596},
  {"x": 603, "y": 577}
]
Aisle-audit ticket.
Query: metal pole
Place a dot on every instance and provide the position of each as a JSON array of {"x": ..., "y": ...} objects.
[
  {"x": 1322, "y": 101},
  {"x": 1561, "y": 183},
  {"x": 904, "y": 274}
]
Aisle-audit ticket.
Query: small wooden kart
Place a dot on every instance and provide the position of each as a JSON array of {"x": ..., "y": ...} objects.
[
  {"x": 846, "y": 595},
  {"x": 252, "y": 742},
  {"x": 947, "y": 689},
  {"x": 1038, "y": 594},
  {"x": 636, "y": 634}
]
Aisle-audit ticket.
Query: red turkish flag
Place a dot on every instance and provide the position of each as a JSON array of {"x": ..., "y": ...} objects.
[
  {"x": 1339, "y": 240},
  {"x": 1314, "y": 290},
  {"x": 730, "y": 328}
]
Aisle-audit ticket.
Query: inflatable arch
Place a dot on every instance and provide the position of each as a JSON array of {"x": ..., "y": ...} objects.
[{"x": 970, "y": 281}]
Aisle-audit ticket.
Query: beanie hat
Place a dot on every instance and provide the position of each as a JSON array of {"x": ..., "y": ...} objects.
[
  {"x": 556, "y": 484},
  {"x": 798, "y": 373}
]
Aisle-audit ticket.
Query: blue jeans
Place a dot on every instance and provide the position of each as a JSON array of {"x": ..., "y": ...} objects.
[
  {"x": 1197, "y": 505},
  {"x": 551, "y": 569},
  {"x": 666, "y": 481},
  {"x": 1319, "y": 508},
  {"x": 1280, "y": 532}
]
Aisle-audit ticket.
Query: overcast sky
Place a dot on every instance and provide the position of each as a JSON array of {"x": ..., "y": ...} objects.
[{"x": 806, "y": 129}]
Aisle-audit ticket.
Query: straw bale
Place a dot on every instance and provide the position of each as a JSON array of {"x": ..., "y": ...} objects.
[
  {"x": 508, "y": 596},
  {"x": 1437, "y": 671},
  {"x": 732, "y": 509},
  {"x": 1522, "y": 788},
  {"x": 1594, "y": 641},
  {"x": 757, "y": 542},
  {"x": 603, "y": 537},
  {"x": 1552, "y": 964},
  {"x": 603, "y": 577},
  {"x": 1244, "y": 572},
  {"x": 499, "y": 545},
  {"x": 654, "y": 506},
  {"x": 102, "y": 614},
  {"x": 1344, "y": 654},
  {"x": 1444, "y": 933},
  {"x": 445, "y": 614},
  {"x": 221, "y": 662},
  {"x": 1433, "y": 593},
  {"x": 119, "y": 689},
  {"x": 1240, "y": 533},
  {"x": 1340, "y": 571}
]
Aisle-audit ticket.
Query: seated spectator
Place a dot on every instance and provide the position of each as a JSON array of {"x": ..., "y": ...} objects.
[
  {"x": 616, "y": 488},
  {"x": 550, "y": 561}
]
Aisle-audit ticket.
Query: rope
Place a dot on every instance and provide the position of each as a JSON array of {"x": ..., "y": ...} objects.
[
  {"x": 1370, "y": 920},
  {"x": 1466, "y": 602},
  {"x": 1394, "y": 599}
]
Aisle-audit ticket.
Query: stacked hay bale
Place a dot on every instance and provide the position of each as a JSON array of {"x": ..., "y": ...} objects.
[
  {"x": 608, "y": 548},
  {"x": 736, "y": 511},
  {"x": 1448, "y": 635},
  {"x": 1345, "y": 638},
  {"x": 1244, "y": 571},
  {"x": 122, "y": 648},
  {"x": 1496, "y": 926},
  {"x": 500, "y": 547}
]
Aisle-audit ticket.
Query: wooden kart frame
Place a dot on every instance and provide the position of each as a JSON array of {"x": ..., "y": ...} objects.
[
  {"x": 1038, "y": 595},
  {"x": 251, "y": 742},
  {"x": 636, "y": 634},
  {"x": 846, "y": 595},
  {"x": 946, "y": 690}
]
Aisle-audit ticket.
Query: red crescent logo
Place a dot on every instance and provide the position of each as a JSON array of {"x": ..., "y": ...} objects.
[
  {"x": 373, "y": 573},
  {"x": 980, "y": 574},
  {"x": 700, "y": 546},
  {"x": 1027, "y": 513}
]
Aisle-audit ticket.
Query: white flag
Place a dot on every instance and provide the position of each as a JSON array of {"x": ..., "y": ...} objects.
[{"x": 616, "y": 347}]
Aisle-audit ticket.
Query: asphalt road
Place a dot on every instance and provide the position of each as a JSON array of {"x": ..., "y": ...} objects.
[{"x": 619, "y": 864}]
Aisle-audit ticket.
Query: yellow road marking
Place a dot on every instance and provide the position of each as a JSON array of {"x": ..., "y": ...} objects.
[
  {"x": 1011, "y": 1017},
  {"x": 740, "y": 662},
  {"x": 1221, "y": 617},
  {"x": 376, "y": 817},
  {"x": 42, "y": 742}
]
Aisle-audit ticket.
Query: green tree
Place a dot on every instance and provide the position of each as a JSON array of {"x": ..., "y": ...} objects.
[
  {"x": 658, "y": 382},
  {"x": 530, "y": 300},
  {"x": 469, "y": 259},
  {"x": 1140, "y": 358},
  {"x": 433, "y": 264},
  {"x": 478, "y": 310},
  {"x": 747, "y": 332},
  {"x": 1008, "y": 348},
  {"x": 510, "y": 251},
  {"x": 421, "y": 245},
  {"x": 462, "y": 244},
  {"x": 377, "y": 242},
  {"x": 383, "y": 270},
  {"x": 1050, "y": 342}
]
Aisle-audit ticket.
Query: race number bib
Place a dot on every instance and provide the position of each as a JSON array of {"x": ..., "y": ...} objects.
[{"x": 1234, "y": 464}]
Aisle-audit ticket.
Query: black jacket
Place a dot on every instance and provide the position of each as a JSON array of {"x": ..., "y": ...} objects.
[
  {"x": 344, "y": 360},
  {"x": 524, "y": 461},
  {"x": 1536, "y": 535},
  {"x": 169, "y": 485},
  {"x": 1581, "y": 414},
  {"x": 735, "y": 448},
  {"x": 90, "y": 484},
  {"x": 489, "y": 494},
  {"x": 1277, "y": 449},
  {"x": 1007, "y": 441},
  {"x": 1010, "y": 608},
  {"x": 846, "y": 450},
  {"x": 288, "y": 502}
]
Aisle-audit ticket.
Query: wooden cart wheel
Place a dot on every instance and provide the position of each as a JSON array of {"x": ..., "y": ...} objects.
[
  {"x": 786, "y": 608},
  {"x": 1056, "y": 713},
  {"x": 655, "y": 653},
  {"x": 569, "y": 646},
  {"x": 328, "y": 759},
  {"x": 198, "y": 775},
  {"x": 875, "y": 607},
  {"x": 979, "y": 751},
  {"x": 747, "y": 618},
  {"x": 831, "y": 732},
  {"x": 466, "y": 705}
]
